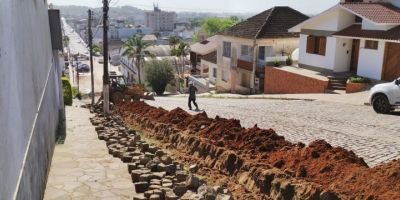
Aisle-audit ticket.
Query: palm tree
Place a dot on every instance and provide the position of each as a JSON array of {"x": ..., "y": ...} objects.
[
  {"x": 135, "y": 48},
  {"x": 182, "y": 51},
  {"x": 173, "y": 41},
  {"x": 179, "y": 49}
]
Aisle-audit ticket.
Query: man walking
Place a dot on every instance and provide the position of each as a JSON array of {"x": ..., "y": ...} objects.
[{"x": 192, "y": 96}]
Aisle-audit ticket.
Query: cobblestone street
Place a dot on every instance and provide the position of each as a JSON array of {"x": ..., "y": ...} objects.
[{"x": 374, "y": 137}]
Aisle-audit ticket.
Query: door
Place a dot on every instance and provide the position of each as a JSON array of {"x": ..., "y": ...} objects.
[
  {"x": 355, "y": 51},
  {"x": 391, "y": 64}
]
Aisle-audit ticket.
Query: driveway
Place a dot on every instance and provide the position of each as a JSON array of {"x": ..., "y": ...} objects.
[{"x": 374, "y": 137}]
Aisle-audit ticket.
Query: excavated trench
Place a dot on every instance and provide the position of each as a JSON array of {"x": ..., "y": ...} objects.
[{"x": 258, "y": 163}]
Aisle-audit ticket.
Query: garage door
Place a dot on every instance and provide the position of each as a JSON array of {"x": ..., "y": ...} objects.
[{"x": 391, "y": 67}]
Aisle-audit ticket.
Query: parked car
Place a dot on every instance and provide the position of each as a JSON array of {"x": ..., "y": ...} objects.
[
  {"x": 101, "y": 60},
  {"x": 83, "y": 68},
  {"x": 385, "y": 97}
]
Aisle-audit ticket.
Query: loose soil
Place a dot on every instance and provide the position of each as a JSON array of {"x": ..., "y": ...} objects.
[{"x": 334, "y": 168}]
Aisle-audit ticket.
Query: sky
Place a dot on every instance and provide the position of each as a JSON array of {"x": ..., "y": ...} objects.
[{"x": 242, "y": 6}]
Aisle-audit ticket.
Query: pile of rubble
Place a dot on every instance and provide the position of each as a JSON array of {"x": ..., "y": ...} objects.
[
  {"x": 156, "y": 176},
  {"x": 261, "y": 161}
]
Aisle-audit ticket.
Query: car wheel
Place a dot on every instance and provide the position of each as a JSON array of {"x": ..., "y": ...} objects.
[{"x": 381, "y": 104}]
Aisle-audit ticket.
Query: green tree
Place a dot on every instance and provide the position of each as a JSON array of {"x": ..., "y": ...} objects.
[
  {"x": 212, "y": 26},
  {"x": 135, "y": 48},
  {"x": 180, "y": 50},
  {"x": 159, "y": 74},
  {"x": 96, "y": 49}
]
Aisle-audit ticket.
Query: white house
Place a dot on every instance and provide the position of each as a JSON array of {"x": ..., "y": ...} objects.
[
  {"x": 247, "y": 47},
  {"x": 359, "y": 37}
]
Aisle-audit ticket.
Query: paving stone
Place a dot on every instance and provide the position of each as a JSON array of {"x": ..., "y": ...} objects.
[
  {"x": 181, "y": 176},
  {"x": 155, "y": 197},
  {"x": 193, "y": 168},
  {"x": 148, "y": 193},
  {"x": 152, "y": 149},
  {"x": 189, "y": 195},
  {"x": 139, "y": 197},
  {"x": 154, "y": 187},
  {"x": 149, "y": 155},
  {"x": 144, "y": 178},
  {"x": 192, "y": 182},
  {"x": 166, "y": 159},
  {"x": 179, "y": 189},
  {"x": 223, "y": 197},
  {"x": 171, "y": 196},
  {"x": 132, "y": 166},
  {"x": 141, "y": 187},
  {"x": 159, "y": 153}
]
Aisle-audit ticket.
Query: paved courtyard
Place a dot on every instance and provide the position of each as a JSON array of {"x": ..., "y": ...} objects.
[
  {"x": 374, "y": 137},
  {"x": 82, "y": 168}
]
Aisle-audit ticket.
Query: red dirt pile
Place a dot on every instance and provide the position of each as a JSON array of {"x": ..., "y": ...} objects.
[{"x": 334, "y": 168}]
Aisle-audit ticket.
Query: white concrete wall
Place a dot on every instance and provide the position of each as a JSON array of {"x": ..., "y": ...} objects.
[
  {"x": 334, "y": 20},
  {"x": 29, "y": 99},
  {"x": 342, "y": 55},
  {"x": 367, "y": 25},
  {"x": 325, "y": 62},
  {"x": 211, "y": 67},
  {"x": 370, "y": 61}
]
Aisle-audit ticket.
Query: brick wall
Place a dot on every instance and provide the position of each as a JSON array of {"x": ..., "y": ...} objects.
[{"x": 282, "y": 82}]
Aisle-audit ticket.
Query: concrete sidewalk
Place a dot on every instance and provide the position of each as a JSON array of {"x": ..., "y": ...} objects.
[
  {"x": 82, "y": 168},
  {"x": 359, "y": 98}
]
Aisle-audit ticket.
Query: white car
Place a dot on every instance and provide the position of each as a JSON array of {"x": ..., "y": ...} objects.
[{"x": 385, "y": 97}]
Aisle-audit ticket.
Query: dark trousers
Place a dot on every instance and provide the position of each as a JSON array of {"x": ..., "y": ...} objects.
[{"x": 194, "y": 102}]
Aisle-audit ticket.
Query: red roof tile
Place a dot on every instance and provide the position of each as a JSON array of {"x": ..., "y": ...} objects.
[
  {"x": 382, "y": 13},
  {"x": 356, "y": 31},
  {"x": 272, "y": 23}
]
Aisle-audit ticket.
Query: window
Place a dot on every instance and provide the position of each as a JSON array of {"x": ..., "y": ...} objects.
[
  {"x": 269, "y": 51},
  {"x": 214, "y": 72},
  {"x": 245, "y": 50},
  {"x": 316, "y": 45},
  {"x": 261, "y": 53},
  {"x": 225, "y": 76},
  {"x": 370, "y": 44},
  {"x": 227, "y": 49}
]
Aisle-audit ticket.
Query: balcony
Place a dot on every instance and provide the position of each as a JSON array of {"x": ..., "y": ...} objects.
[{"x": 246, "y": 65}]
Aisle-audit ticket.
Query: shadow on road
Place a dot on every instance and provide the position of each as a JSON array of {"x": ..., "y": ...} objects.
[{"x": 396, "y": 113}]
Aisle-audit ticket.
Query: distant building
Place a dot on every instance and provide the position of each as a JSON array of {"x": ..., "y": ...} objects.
[
  {"x": 160, "y": 20},
  {"x": 116, "y": 33}
]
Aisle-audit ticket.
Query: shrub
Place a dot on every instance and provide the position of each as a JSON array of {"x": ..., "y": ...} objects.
[
  {"x": 289, "y": 60},
  {"x": 76, "y": 93},
  {"x": 276, "y": 63},
  {"x": 67, "y": 91},
  {"x": 358, "y": 79},
  {"x": 159, "y": 74}
]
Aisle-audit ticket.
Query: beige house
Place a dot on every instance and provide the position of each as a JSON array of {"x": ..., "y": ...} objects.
[{"x": 246, "y": 48}]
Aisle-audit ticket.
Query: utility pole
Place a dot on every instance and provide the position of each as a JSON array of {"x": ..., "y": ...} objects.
[
  {"x": 91, "y": 52},
  {"x": 106, "y": 80},
  {"x": 77, "y": 70}
]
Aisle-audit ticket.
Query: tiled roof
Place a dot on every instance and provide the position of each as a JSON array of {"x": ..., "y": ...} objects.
[
  {"x": 357, "y": 31},
  {"x": 272, "y": 23},
  {"x": 206, "y": 46},
  {"x": 211, "y": 57},
  {"x": 382, "y": 13}
]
